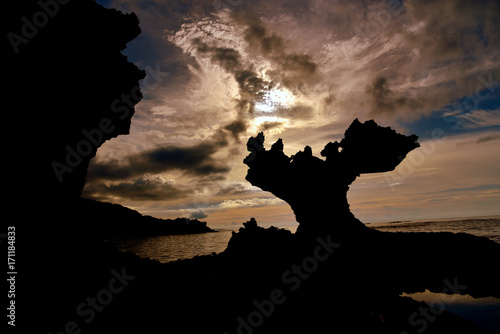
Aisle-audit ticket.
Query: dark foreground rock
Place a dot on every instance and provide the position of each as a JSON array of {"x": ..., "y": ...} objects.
[
  {"x": 267, "y": 281},
  {"x": 73, "y": 88}
]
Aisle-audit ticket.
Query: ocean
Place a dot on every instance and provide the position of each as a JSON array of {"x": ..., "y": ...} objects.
[
  {"x": 174, "y": 247},
  {"x": 483, "y": 311},
  {"x": 481, "y": 226}
]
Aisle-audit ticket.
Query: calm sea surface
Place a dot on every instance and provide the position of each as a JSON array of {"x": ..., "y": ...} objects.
[
  {"x": 174, "y": 247},
  {"x": 481, "y": 226}
]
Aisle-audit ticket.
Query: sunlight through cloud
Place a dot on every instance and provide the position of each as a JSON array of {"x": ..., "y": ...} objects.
[{"x": 274, "y": 99}]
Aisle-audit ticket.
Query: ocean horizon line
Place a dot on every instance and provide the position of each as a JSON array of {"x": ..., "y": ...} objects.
[{"x": 235, "y": 226}]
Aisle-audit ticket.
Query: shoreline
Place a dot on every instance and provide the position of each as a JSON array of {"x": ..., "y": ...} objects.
[{"x": 483, "y": 311}]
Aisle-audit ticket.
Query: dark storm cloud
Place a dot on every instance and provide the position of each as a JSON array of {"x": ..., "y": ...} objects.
[
  {"x": 453, "y": 29},
  {"x": 379, "y": 92},
  {"x": 250, "y": 83},
  {"x": 269, "y": 125},
  {"x": 299, "y": 63},
  {"x": 384, "y": 101},
  {"x": 227, "y": 58},
  {"x": 236, "y": 128},
  {"x": 145, "y": 188},
  {"x": 195, "y": 160},
  {"x": 258, "y": 38},
  {"x": 291, "y": 69}
]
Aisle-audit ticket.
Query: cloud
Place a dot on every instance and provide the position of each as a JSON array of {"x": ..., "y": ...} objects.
[
  {"x": 296, "y": 112},
  {"x": 480, "y": 140},
  {"x": 234, "y": 188},
  {"x": 257, "y": 36},
  {"x": 194, "y": 160},
  {"x": 249, "y": 202},
  {"x": 488, "y": 138},
  {"x": 198, "y": 215},
  {"x": 197, "y": 161},
  {"x": 236, "y": 128},
  {"x": 264, "y": 126},
  {"x": 452, "y": 30},
  {"x": 251, "y": 85},
  {"x": 479, "y": 118},
  {"x": 383, "y": 100},
  {"x": 144, "y": 188},
  {"x": 229, "y": 59},
  {"x": 289, "y": 68}
]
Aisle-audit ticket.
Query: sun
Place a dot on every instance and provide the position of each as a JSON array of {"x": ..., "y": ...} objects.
[
  {"x": 272, "y": 100},
  {"x": 275, "y": 98}
]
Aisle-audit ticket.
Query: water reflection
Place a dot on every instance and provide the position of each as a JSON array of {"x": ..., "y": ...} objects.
[
  {"x": 173, "y": 247},
  {"x": 483, "y": 311}
]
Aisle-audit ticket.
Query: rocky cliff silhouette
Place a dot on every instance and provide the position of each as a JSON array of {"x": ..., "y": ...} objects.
[
  {"x": 316, "y": 189},
  {"x": 73, "y": 88},
  {"x": 65, "y": 74}
]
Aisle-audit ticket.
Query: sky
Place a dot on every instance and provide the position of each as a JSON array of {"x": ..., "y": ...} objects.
[{"x": 219, "y": 72}]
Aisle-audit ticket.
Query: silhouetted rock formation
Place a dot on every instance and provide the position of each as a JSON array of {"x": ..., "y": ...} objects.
[
  {"x": 316, "y": 189},
  {"x": 371, "y": 266},
  {"x": 253, "y": 243},
  {"x": 73, "y": 88}
]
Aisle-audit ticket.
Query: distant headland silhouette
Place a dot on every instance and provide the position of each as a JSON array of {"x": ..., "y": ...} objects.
[{"x": 74, "y": 89}]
